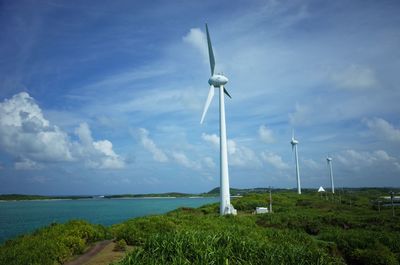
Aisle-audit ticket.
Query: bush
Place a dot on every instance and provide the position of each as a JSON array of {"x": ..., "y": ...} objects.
[
  {"x": 377, "y": 255},
  {"x": 53, "y": 244},
  {"x": 120, "y": 245}
]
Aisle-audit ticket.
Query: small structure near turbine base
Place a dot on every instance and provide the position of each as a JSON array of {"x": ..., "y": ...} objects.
[{"x": 261, "y": 210}]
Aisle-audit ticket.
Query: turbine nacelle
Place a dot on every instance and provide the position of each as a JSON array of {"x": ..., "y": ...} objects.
[
  {"x": 329, "y": 159},
  {"x": 294, "y": 141},
  {"x": 218, "y": 80}
]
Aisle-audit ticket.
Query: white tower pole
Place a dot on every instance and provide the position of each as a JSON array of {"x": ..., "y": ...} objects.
[
  {"x": 331, "y": 173},
  {"x": 297, "y": 170},
  {"x": 224, "y": 190}
]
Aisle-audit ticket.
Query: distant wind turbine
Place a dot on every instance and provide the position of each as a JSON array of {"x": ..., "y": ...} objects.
[
  {"x": 218, "y": 81},
  {"x": 294, "y": 143},
  {"x": 329, "y": 160}
]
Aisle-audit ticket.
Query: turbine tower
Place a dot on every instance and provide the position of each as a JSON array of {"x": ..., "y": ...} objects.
[
  {"x": 218, "y": 81},
  {"x": 329, "y": 160},
  {"x": 294, "y": 143}
]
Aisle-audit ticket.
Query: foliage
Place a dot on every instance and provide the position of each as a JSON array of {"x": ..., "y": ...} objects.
[
  {"x": 22, "y": 197},
  {"x": 51, "y": 245},
  {"x": 303, "y": 229},
  {"x": 120, "y": 245},
  {"x": 306, "y": 229}
]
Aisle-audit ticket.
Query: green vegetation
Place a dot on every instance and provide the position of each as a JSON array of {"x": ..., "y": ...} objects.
[
  {"x": 22, "y": 197},
  {"x": 169, "y": 194},
  {"x": 120, "y": 245},
  {"x": 51, "y": 245},
  {"x": 306, "y": 229}
]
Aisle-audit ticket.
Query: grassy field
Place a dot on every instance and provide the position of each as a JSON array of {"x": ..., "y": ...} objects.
[{"x": 305, "y": 229}]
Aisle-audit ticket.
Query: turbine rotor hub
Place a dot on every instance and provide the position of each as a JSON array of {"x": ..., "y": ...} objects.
[{"x": 218, "y": 80}]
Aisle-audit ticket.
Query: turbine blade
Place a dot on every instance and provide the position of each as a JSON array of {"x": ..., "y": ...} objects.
[
  {"x": 208, "y": 101},
  {"x": 226, "y": 92},
  {"x": 210, "y": 52}
]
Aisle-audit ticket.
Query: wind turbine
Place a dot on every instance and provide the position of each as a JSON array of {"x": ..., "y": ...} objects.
[
  {"x": 329, "y": 160},
  {"x": 294, "y": 143},
  {"x": 218, "y": 81}
]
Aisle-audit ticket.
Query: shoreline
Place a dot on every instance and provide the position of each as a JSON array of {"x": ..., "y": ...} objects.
[{"x": 119, "y": 198}]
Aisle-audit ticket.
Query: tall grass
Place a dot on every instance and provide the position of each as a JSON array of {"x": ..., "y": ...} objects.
[{"x": 302, "y": 230}]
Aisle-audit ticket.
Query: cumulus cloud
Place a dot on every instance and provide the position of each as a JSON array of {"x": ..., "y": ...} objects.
[
  {"x": 183, "y": 160},
  {"x": 98, "y": 154},
  {"x": 274, "y": 160},
  {"x": 355, "y": 77},
  {"x": 238, "y": 155},
  {"x": 357, "y": 160},
  {"x": 150, "y": 146},
  {"x": 197, "y": 39},
  {"x": 383, "y": 129},
  {"x": 265, "y": 134},
  {"x": 211, "y": 138},
  {"x": 26, "y": 134}
]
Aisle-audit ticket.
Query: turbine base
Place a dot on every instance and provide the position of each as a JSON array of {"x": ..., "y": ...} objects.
[{"x": 230, "y": 210}]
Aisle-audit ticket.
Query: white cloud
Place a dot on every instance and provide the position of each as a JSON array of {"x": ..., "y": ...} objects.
[
  {"x": 310, "y": 163},
  {"x": 355, "y": 77},
  {"x": 26, "y": 164},
  {"x": 274, "y": 160},
  {"x": 238, "y": 155},
  {"x": 383, "y": 129},
  {"x": 266, "y": 134},
  {"x": 241, "y": 155},
  {"x": 25, "y": 133},
  {"x": 150, "y": 146},
  {"x": 301, "y": 115},
  {"x": 197, "y": 39},
  {"x": 183, "y": 160},
  {"x": 209, "y": 162},
  {"x": 211, "y": 138},
  {"x": 96, "y": 154},
  {"x": 357, "y": 160}
]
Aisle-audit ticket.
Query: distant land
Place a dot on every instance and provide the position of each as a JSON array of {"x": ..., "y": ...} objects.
[{"x": 212, "y": 193}]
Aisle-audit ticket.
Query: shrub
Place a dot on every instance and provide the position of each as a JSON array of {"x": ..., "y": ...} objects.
[
  {"x": 120, "y": 245},
  {"x": 53, "y": 244}
]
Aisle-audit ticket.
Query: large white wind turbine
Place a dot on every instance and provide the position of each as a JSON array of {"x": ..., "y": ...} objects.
[
  {"x": 218, "y": 81},
  {"x": 329, "y": 160},
  {"x": 294, "y": 143}
]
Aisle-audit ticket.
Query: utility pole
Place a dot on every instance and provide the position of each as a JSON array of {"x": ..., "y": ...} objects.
[
  {"x": 391, "y": 198},
  {"x": 270, "y": 200}
]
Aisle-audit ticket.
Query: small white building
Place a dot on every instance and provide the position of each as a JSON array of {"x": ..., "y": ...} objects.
[{"x": 260, "y": 210}]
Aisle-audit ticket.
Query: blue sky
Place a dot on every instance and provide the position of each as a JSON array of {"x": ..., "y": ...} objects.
[{"x": 99, "y": 97}]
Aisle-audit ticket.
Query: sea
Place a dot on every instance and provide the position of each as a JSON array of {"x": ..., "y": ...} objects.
[{"x": 21, "y": 217}]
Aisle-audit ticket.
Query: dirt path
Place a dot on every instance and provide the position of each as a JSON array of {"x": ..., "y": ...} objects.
[{"x": 90, "y": 254}]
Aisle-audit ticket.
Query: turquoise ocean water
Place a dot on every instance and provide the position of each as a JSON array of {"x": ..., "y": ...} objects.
[{"x": 21, "y": 217}]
